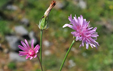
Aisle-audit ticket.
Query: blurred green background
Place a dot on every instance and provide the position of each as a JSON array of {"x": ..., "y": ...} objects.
[{"x": 56, "y": 40}]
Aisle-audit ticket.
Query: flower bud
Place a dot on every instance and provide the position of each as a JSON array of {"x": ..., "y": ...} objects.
[
  {"x": 43, "y": 21},
  {"x": 53, "y": 3}
]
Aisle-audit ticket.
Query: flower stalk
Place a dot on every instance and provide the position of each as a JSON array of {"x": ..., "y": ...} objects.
[
  {"x": 66, "y": 55},
  {"x": 41, "y": 33},
  {"x": 40, "y": 63}
]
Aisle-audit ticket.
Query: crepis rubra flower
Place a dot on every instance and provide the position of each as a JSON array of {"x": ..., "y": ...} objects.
[
  {"x": 82, "y": 31},
  {"x": 30, "y": 52}
]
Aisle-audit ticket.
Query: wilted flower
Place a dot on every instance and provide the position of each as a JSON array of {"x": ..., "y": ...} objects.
[
  {"x": 30, "y": 52},
  {"x": 82, "y": 31}
]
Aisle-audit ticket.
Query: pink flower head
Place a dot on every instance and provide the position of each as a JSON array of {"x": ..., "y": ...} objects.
[
  {"x": 82, "y": 31},
  {"x": 30, "y": 52}
]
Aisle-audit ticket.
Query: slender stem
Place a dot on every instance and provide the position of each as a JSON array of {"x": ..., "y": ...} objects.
[
  {"x": 41, "y": 33},
  {"x": 67, "y": 54},
  {"x": 40, "y": 63}
]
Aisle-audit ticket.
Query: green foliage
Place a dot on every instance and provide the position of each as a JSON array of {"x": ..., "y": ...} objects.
[
  {"x": 3, "y": 27},
  {"x": 12, "y": 65},
  {"x": 50, "y": 62},
  {"x": 37, "y": 70},
  {"x": 2, "y": 2}
]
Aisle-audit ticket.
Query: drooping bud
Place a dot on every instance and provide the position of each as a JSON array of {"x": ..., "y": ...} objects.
[
  {"x": 43, "y": 21},
  {"x": 53, "y": 3}
]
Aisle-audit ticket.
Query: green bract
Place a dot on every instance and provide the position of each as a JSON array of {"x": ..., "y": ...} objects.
[{"x": 43, "y": 23}]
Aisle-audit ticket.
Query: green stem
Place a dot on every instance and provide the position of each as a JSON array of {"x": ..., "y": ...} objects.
[
  {"x": 41, "y": 33},
  {"x": 67, "y": 54},
  {"x": 40, "y": 63}
]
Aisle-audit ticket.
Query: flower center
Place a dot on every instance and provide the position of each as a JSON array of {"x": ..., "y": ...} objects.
[{"x": 31, "y": 52}]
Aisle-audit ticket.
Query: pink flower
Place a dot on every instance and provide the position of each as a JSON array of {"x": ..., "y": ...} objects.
[
  {"x": 82, "y": 31},
  {"x": 30, "y": 52}
]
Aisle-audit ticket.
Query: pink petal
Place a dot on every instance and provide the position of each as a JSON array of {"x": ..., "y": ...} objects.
[
  {"x": 31, "y": 58},
  {"x": 80, "y": 20},
  {"x": 75, "y": 34},
  {"x": 27, "y": 44},
  {"x": 87, "y": 45},
  {"x": 37, "y": 47},
  {"x": 32, "y": 43},
  {"x": 82, "y": 43},
  {"x": 93, "y": 30},
  {"x": 94, "y": 42},
  {"x": 35, "y": 56},
  {"x": 68, "y": 25},
  {"x": 76, "y": 20},
  {"x": 92, "y": 45},
  {"x": 70, "y": 18},
  {"x": 77, "y": 38},
  {"x": 27, "y": 57},
  {"x": 21, "y": 53},
  {"x": 94, "y": 35},
  {"x": 90, "y": 28},
  {"x": 23, "y": 44},
  {"x": 22, "y": 48}
]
